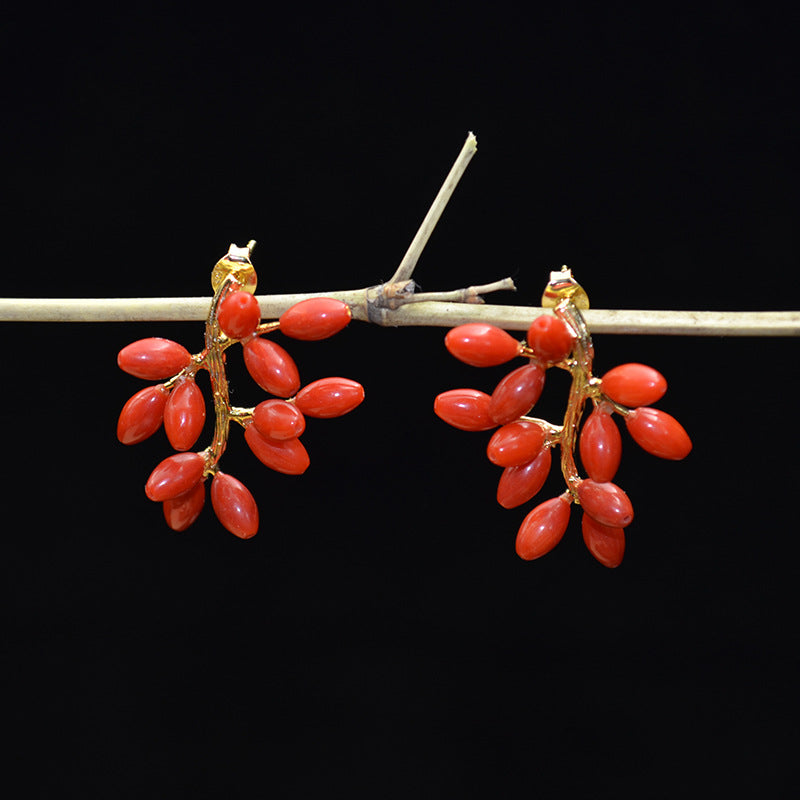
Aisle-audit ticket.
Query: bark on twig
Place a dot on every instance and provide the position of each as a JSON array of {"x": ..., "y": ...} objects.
[
  {"x": 419, "y": 312},
  {"x": 395, "y": 302}
]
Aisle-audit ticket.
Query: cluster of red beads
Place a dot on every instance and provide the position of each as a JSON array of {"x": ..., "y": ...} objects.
[
  {"x": 522, "y": 446},
  {"x": 272, "y": 428}
]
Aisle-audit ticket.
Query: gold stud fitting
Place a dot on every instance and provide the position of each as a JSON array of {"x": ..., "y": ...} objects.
[
  {"x": 236, "y": 264},
  {"x": 563, "y": 286}
]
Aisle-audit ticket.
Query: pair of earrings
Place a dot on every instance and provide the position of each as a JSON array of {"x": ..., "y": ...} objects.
[{"x": 521, "y": 445}]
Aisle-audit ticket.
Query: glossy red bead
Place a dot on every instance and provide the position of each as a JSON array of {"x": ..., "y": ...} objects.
[
  {"x": 234, "y": 506},
  {"x": 239, "y": 315},
  {"x": 141, "y": 416},
  {"x": 519, "y": 484},
  {"x": 288, "y": 456},
  {"x": 516, "y": 443},
  {"x": 550, "y": 339},
  {"x": 634, "y": 385},
  {"x": 329, "y": 397},
  {"x": 465, "y": 409},
  {"x": 153, "y": 359},
  {"x": 606, "y": 544},
  {"x": 271, "y": 367},
  {"x": 278, "y": 419},
  {"x": 600, "y": 445},
  {"x": 175, "y": 475},
  {"x": 181, "y": 511},
  {"x": 543, "y": 528},
  {"x": 481, "y": 345},
  {"x": 184, "y": 415},
  {"x": 658, "y": 433},
  {"x": 314, "y": 319},
  {"x": 517, "y": 393},
  {"x": 606, "y": 503}
]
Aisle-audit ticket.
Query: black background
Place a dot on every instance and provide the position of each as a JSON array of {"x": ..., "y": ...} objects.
[{"x": 379, "y": 637}]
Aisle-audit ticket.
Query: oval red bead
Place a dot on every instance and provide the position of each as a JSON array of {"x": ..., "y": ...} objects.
[
  {"x": 288, "y": 456},
  {"x": 239, "y": 315},
  {"x": 234, "y": 506},
  {"x": 153, "y": 359},
  {"x": 141, "y": 416},
  {"x": 634, "y": 385},
  {"x": 515, "y": 443},
  {"x": 184, "y": 415},
  {"x": 606, "y": 544},
  {"x": 465, "y": 409},
  {"x": 519, "y": 484},
  {"x": 481, "y": 345},
  {"x": 517, "y": 393},
  {"x": 550, "y": 339},
  {"x": 175, "y": 475},
  {"x": 543, "y": 528},
  {"x": 606, "y": 503},
  {"x": 271, "y": 367},
  {"x": 278, "y": 419},
  {"x": 329, "y": 397},
  {"x": 314, "y": 319},
  {"x": 600, "y": 445},
  {"x": 658, "y": 433},
  {"x": 181, "y": 511}
]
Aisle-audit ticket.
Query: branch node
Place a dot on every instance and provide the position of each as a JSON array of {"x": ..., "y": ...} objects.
[{"x": 396, "y": 294}]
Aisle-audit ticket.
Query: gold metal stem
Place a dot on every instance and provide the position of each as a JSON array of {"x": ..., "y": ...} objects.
[
  {"x": 216, "y": 343},
  {"x": 579, "y": 366}
]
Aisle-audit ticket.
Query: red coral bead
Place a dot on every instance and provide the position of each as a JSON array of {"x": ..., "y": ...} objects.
[
  {"x": 550, "y": 339},
  {"x": 543, "y": 528},
  {"x": 516, "y": 443},
  {"x": 465, "y": 409},
  {"x": 271, "y": 367},
  {"x": 606, "y": 503},
  {"x": 288, "y": 456},
  {"x": 329, "y": 397},
  {"x": 277, "y": 419},
  {"x": 517, "y": 393},
  {"x": 314, "y": 319},
  {"x": 481, "y": 345},
  {"x": 239, "y": 314},
  {"x": 606, "y": 544},
  {"x": 519, "y": 484},
  {"x": 141, "y": 416},
  {"x": 634, "y": 385},
  {"x": 658, "y": 433},
  {"x": 175, "y": 475},
  {"x": 181, "y": 511},
  {"x": 234, "y": 506},
  {"x": 184, "y": 415},
  {"x": 153, "y": 359},
  {"x": 600, "y": 445}
]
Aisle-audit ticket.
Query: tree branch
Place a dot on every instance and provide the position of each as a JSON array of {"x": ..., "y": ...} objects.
[
  {"x": 395, "y": 303},
  {"x": 421, "y": 312},
  {"x": 409, "y": 262}
]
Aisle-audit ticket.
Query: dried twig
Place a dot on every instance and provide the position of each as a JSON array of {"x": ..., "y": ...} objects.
[
  {"x": 395, "y": 303},
  {"x": 420, "y": 312}
]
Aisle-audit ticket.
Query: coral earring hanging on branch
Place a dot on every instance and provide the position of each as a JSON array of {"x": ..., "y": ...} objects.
[
  {"x": 272, "y": 428},
  {"x": 522, "y": 444}
]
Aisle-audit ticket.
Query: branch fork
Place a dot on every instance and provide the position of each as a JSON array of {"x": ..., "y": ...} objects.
[{"x": 400, "y": 289}]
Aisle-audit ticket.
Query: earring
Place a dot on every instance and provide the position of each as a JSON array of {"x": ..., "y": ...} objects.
[
  {"x": 271, "y": 429},
  {"x": 522, "y": 444}
]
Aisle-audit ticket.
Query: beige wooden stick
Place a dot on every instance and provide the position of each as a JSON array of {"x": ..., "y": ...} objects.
[
  {"x": 409, "y": 260},
  {"x": 419, "y": 313},
  {"x": 396, "y": 303}
]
